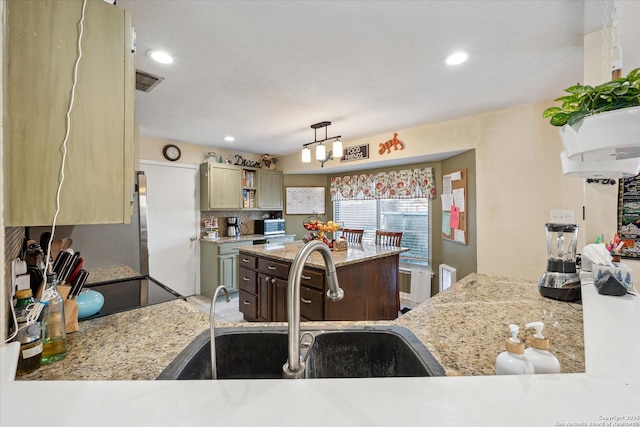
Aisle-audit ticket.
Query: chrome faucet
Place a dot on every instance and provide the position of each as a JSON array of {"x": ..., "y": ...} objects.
[
  {"x": 212, "y": 315},
  {"x": 294, "y": 367}
]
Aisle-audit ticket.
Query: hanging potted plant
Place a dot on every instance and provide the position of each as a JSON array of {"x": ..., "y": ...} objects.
[{"x": 601, "y": 122}]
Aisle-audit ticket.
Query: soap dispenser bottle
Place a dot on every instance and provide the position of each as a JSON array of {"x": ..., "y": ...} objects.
[
  {"x": 512, "y": 361},
  {"x": 538, "y": 352}
]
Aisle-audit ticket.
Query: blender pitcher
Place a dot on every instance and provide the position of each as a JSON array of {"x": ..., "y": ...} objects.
[{"x": 561, "y": 280}]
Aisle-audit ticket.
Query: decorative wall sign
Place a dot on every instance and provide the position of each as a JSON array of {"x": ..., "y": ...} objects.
[
  {"x": 393, "y": 142},
  {"x": 629, "y": 216},
  {"x": 241, "y": 161},
  {"x": 358, "y": 152}
]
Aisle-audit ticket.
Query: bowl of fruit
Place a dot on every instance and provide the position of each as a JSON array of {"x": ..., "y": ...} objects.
[{"x": 316, "y": 224}]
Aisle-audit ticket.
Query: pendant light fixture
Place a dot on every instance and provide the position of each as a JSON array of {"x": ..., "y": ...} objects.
[{"x": 321, "y": 152}]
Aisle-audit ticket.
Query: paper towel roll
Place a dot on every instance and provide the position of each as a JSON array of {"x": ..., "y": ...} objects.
[{"x": 23, "y": 282}]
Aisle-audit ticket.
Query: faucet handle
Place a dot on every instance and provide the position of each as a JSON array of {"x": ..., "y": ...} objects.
[{"x": 306, "y": 345}]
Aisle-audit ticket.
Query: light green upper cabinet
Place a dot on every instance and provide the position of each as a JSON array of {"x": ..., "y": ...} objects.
[
  {"x": 220, "y": 186},
  {"x": 224, "y": 186},
  {"x": 269, "y": 189},
  {"x": 39, "y": 57}
]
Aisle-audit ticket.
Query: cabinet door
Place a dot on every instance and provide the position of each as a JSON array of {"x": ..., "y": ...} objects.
[
  {"x": 269, "y": 189},
  {"x": 279, "y": 300},
  {"x": 221, "y": 186},
  {"x": 208, "y": 269},
  {"x": 264, "y": 297},
  {"x": 41, "y": 50},
  {"x": 228, "y": 270}
]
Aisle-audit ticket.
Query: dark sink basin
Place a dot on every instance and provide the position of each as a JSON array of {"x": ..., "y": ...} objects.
[
  {"x": 260, "y": 352},
  {"x": 370, "y": 353}
]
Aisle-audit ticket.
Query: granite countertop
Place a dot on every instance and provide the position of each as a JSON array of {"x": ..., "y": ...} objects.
[
  {"x": 104, "y": 274},
  {"x": 242, "y": 238},
  {"x": 132, "y": 345},
  {"x": 354, "y": 254},
  {"x": 465, "y": 326}
]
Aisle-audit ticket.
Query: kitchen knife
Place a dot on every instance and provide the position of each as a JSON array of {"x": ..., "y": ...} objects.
[
  {"x": 74, "y": 286},
  {"x": 76, "y": 269},
  {"x": 68, "y": 267},
  {"x": 59, "y": 262},
  {"x": 79, "y": 284}
]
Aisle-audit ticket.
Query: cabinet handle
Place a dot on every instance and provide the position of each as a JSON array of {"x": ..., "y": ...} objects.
[
  {"x": 271, "y": 267},
  {"x": 246, "y": 302},
  {"x": 273, "y": 280},
  {"x": 306, "y": 301},
  {"x": 305, "y": 277},
  {"x": 246, "y": 279},
  {"x": 245, "y": 260}
]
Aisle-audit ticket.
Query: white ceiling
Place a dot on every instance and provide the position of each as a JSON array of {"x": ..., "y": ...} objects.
[{"x": 264, "y": 71}]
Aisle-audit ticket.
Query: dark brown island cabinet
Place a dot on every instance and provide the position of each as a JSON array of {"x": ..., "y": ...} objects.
[{"x": 370, "y": 289}]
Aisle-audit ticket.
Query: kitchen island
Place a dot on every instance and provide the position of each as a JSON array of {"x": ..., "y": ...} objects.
[
  {"x": 454, "y": 400},
  {"x": 369, "y": 275}
]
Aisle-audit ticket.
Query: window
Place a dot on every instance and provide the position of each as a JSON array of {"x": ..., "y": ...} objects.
[{"x": 411, "y": 216}]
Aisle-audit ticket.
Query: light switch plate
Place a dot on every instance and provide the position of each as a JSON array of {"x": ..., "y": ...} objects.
[{"x": 558, "y": 216}]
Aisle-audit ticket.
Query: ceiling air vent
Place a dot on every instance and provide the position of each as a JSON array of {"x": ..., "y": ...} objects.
[{"x": 146, "y": 82}]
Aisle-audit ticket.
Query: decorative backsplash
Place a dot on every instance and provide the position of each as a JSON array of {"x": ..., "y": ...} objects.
[{"x": 246, "y": 220}]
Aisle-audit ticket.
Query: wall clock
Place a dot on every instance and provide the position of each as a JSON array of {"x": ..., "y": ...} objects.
[{"x": 171, "y": 152}]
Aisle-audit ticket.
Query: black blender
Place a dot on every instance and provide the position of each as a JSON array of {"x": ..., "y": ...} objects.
[{"x": 561, "y": 280}]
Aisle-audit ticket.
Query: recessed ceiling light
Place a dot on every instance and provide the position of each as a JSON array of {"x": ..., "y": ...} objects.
[
  {"x": 229, "y": 138},
  {"x": 160, "y": 56},
  {"x": 457, "y": 58}
]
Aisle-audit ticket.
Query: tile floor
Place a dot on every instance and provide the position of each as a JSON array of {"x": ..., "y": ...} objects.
[
  {"x": 225, "y": 312},
  {"x": 229, "y": 312}
]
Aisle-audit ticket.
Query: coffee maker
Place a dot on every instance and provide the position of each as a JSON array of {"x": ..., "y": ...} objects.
[
  {"x": 561, "y": 280},
  {"x": 233, "y": 226}
]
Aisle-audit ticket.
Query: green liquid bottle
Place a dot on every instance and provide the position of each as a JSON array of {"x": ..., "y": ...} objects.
[{"x": 54, "y": 336}]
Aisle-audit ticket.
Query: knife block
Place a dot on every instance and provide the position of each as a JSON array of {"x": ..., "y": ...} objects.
[{"x": 70, "y": 309}]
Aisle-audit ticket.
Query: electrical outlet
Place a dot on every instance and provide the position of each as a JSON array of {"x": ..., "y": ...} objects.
[{"x": 558, "y": 216}]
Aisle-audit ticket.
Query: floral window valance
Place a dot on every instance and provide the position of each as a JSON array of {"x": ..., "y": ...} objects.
[{"x": 402, "y": 184}]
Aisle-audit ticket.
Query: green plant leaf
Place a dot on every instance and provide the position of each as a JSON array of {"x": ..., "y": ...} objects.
[
  {"x": 560, "y": 119},
  {"x": 550, "y": 111},
  {"x": 586, "y": 100}
]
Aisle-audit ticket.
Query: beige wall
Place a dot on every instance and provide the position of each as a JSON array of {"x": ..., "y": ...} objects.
[
  {"x": 518, "y": 181},
  {"x": 150, "y": 148}
]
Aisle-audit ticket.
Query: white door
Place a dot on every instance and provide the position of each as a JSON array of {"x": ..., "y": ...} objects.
[{"x": 173, "y": 216}]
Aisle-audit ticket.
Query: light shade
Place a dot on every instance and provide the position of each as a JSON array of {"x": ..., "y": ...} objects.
[
  {"x": 337, "y": 148},
  {"x": 320, "y": 152},
  {"x": 306, "y": 155}
]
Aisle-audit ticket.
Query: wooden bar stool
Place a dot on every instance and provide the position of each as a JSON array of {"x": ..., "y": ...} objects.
[
  {"x": 352, "y": 235},
  {"x": 388, "y": 238}
]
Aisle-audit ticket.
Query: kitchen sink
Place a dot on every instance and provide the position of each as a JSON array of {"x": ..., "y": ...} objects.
[{"x": 349, "y": 352}]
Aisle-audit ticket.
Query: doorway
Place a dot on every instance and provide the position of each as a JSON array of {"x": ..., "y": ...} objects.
[{"x": 173, "y": 224}]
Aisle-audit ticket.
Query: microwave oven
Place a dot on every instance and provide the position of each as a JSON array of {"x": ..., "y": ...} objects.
[{"x": 269, "y": 227}]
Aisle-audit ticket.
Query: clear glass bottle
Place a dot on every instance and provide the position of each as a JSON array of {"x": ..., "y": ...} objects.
[{"x": 54, "y": 333}]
